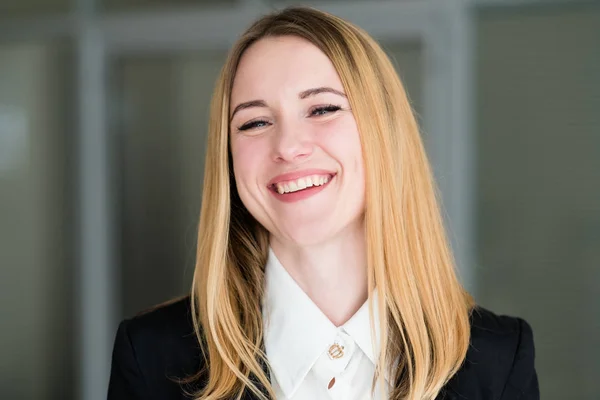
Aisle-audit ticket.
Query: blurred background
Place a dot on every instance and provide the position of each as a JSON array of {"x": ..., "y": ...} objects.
[{"x": 103, "y": 115}]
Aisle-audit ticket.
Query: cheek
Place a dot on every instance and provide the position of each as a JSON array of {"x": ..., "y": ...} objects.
[
  {"x": 353, "y": 148},
  {"x": 342, "y": 141},
  {"x": 348, "y": 149},
  {"x": 241, "y": 156},
  {"x": 239, "y": 159},
  {"x": 247, "y": 159}
]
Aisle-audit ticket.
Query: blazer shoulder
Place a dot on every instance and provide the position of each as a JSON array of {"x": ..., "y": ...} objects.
[
  {"x": 165, "y": 332},
  {"x": 155, "y": 350},
  {"x": 499, "y": 335},
  {"x": 486, "y": 322},
  {"x": 500, "y": 358},
  {"x": 171, "y": 317}
]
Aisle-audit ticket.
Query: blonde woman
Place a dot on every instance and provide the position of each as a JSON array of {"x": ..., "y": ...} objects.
[{"x": 323, "y": 270}]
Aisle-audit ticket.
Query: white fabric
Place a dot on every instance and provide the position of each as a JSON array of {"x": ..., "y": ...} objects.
[{"x": 298, "y": 336}]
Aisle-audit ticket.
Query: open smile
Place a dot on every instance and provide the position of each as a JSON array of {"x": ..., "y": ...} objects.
[
  {"x": 300, "y": 188},
  {"x": 303, "y": 183}
]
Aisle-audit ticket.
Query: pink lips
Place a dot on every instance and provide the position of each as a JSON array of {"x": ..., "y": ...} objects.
[
  {"x": 301, "y": 194},
  {"x": 291, "y": 176}
]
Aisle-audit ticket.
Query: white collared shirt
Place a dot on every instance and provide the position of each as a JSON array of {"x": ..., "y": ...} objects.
[{"x": 307, "y": 351}]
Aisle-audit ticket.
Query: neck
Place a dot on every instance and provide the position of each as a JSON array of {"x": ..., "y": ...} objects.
[{"x": 333, "y": 273}]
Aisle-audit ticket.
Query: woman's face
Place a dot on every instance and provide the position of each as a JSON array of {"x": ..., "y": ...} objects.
[{"x": 294, "y": 142}]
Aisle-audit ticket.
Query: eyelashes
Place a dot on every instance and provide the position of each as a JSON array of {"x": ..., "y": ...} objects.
[
  {"x": 318, "y": 111},
  {"x": 323, "y": 110},
  {"x": 253, "y": 124}
]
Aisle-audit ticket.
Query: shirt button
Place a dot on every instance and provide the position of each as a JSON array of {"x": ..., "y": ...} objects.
[
  {"x": 335, "y": 351},
  {"x": 331, "y": 383}
]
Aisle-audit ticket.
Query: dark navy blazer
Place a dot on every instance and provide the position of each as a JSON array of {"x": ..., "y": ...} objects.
[{"x": 157, "y": 346}]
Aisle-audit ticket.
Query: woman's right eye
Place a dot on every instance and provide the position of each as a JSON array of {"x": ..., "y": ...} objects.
[{"x": 254, "y": 125}]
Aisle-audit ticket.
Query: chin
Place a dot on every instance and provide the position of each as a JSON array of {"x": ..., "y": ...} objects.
[
  {"x": 306, "y": 239},
  {"x": 306, "y": 235}
]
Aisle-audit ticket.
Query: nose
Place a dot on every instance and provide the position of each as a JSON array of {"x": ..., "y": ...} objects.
[{"x": 292, "y": 143}]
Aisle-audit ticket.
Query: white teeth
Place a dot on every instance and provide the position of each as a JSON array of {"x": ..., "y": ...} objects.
[{"x": 301, "y": 183}]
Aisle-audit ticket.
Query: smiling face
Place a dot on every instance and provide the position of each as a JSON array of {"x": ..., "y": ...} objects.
[{"x": 294, "y": 141}]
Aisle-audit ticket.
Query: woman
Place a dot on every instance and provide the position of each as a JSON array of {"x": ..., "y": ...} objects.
[{"x": 323, "y": 270}]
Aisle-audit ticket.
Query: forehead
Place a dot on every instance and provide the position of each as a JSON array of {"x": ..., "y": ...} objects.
[{"x": 279, "y": 64}]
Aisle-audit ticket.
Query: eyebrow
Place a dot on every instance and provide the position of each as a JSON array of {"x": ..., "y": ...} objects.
[
  {"x": 248, "y": 104},
  {"x": 315, "y": 91},
  {"x": 302, "y": 95}
]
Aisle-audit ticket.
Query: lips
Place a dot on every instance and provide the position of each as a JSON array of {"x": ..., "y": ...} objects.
[
  {"x": 301, "y": 187},
  {"x": 299, "y": 180},
  {"x": 301, "y": 183}
]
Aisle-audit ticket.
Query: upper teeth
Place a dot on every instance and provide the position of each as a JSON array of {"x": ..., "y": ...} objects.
[{"x": 302, "y": 183}]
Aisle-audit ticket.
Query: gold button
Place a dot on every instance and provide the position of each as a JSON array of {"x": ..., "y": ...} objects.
[{"x": 336, "y": 351}]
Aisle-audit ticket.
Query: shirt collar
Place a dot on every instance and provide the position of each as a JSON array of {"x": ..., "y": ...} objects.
[{"x": 297, "y": 332}]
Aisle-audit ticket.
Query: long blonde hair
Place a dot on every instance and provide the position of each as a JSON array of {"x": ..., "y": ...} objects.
[{"x": 425, "y": 311}]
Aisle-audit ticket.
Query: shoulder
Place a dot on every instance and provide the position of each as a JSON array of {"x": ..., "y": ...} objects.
[
  {"x": 500, "y": 359},
  {"x": 498, "y": 334},
  {"x": 169, "y": 320},
  {"x": 153, "y": 351}
]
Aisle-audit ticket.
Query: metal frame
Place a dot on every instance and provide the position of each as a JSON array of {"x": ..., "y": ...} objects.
[
  {"x": 444, "y": 27},
  {"x": 98, "y": 292}
]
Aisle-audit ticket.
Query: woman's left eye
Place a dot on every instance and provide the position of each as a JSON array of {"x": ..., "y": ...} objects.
[{"x": 324, "y": 110}]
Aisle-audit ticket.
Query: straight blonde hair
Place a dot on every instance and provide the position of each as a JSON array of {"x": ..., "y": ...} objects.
[{"x": 425, "y": 311}]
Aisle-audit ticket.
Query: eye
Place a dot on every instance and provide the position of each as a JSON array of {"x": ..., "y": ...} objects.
[
  {"x": 324, "y": 110},
  {"x": 254, "y": 124}
]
